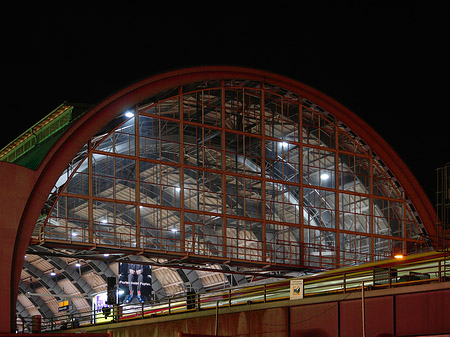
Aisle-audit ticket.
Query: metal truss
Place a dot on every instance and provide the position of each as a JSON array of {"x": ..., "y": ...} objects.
[{"x": 235, "y": 172}]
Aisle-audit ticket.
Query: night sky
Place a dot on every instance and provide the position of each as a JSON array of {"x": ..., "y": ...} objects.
[{"x": 388, "y": 62}]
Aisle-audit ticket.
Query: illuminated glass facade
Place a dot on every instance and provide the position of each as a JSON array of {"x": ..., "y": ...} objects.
[{"x": 234, "y": 171}]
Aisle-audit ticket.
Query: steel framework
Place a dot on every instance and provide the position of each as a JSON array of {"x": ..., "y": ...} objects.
[{"x": 233, "y": 171}]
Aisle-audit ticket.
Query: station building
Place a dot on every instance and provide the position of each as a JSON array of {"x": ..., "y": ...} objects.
[{"x": 209, "y": 176}]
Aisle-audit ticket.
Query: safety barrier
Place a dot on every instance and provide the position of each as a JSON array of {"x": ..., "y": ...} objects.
[{"x": 425, "y": 268}]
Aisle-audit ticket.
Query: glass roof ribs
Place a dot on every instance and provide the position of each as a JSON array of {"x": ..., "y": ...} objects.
[{"x": 249, "y": 174}]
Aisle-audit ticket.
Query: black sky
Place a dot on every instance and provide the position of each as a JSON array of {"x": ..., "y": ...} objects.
[{"x": 388, "y": 62}]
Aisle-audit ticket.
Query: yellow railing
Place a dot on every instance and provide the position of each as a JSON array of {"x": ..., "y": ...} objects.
[{"x": 38, "y": 133}]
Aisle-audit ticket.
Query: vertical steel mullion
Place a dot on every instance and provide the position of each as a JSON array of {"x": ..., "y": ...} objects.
[
  {"x": 181, "y": 156},
  {"x": 372, "y": 211},
  {"x": 224, "y": 175},
  {"x": 336, "y": 195},
  {"x": 244, "y": 152},
  {"x": 90, "y": 202},
  {"x": 263, "y": 175},
  {"x": 137, "y": 196},
  {"x": 302, "y": 255},
  {"x": 66, "y": 214}
]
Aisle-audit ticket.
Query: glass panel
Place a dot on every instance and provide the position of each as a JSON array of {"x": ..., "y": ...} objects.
[
  {"x": 244, "y": 197},
  {"x": 412, "y": 228},
  {"x": 159, "y": 139},
  {"x": 281, "y": 117},
  {"x": 202, "y": 147},
  {"x": 354, "y": 173},
  {"x": 243, "y": 154},
  {"x": 388, "y": 217},
  {"x": 203, "y": 107},
  {"x": 160, "y": 229},
  {"x": 319, "y": 167},
  {"x": 355, "y": 249},
  {"x": 282, "y": 203},
  {"x": 354, "y": 212},
  {"x": 283, "y": 244},
  {"x": 252, "y": 111},
  {"x": 244, "y": 240},
  {"x": 78, "y": 184},
  {"x": 383, "y": 248},
  {"x": 234, "y": 109},
  {"x": 167, "y": 108},
  {"x": 319, "y": 206},
  {"x": 202, "y": 191},
  {"x": 203, "y": 234},
  {"x": 383, "y": 186},
  {"x": 282, "y": 161},
  {"x": 317, "y": 130},
  {"x": 159, "y": 184},
  {"x": 348, "y": 143},
  {"x": 319, "y": 248}
]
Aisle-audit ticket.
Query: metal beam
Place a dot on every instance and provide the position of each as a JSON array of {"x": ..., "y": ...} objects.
[
  {"x": 68, "y": 271},
  {"x": 45, "y": 280},
  {"x": 38, "y": 302}
]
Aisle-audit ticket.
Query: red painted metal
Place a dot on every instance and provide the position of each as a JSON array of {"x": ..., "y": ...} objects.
[
  {"x": 62, "y": 153},
  {"x": 56, "y": 334}
]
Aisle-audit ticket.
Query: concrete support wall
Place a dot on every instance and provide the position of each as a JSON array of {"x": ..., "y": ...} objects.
[
  {"x": 407, "y": 311},
  {"x": 16, "y": 183}
]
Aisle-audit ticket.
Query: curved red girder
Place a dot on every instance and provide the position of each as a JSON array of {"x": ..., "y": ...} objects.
[{"x": 67, "y": 146}]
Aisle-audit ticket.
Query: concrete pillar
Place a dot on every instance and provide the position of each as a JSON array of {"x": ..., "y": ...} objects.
[{"x": 16, "y": 184}]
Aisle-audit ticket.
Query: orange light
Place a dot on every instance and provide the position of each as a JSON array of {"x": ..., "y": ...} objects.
[{"x": 398, "y": 256}]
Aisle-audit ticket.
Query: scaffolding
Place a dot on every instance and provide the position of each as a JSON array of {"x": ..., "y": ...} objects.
[
  {"x": 37, "y": 134},
  {"x": 443, "y": 214}
]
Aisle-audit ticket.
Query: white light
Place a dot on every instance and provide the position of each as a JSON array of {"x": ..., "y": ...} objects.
[
  {"x": 284, "y": 144},
  {"x": 106, "y": 255},
  {"x": 129, "y": 114},
  {"x": 121, "y": 292},
  {"x": 177, "y": 189},
  {"x": 78, "y": 264},
  {"x": 74, "y": 234},
  {"x": 53, "y": 273},
  {"x": 174, "y": 230},
  {"x": 324, "y": 176},
  {"x": 104, "y": 221}
]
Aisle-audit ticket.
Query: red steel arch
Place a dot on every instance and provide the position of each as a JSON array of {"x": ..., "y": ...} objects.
[{"x": 38, "y": 184}]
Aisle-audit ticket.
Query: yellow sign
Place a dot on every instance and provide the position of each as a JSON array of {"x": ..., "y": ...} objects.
[
  {"x": 296, "y": 292},
  {"x": 64, "y": 305}
]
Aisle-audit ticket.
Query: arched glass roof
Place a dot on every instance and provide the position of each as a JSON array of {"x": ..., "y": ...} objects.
[{"x": 233, "y": 171}]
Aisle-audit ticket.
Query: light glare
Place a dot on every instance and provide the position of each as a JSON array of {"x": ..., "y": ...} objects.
[{"x": 129, "y": 114}]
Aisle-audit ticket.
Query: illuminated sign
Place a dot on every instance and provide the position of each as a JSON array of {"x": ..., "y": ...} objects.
[
  {"x": 100, "y": 307},
  {"x": 63, "y": 306},
  {"x": 135, "y": 283}
]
